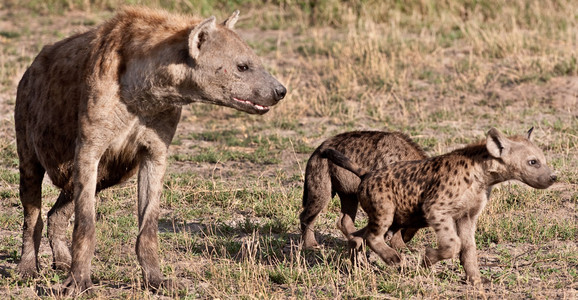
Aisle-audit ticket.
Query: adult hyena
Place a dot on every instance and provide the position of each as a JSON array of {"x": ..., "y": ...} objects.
[
  {"x": 100, "y": 106},
  {"x": 323, "y": 179},
  {"x": 446, "y": 192}
]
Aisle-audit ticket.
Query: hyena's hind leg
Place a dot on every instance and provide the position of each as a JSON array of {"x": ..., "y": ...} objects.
[
  {"x": 397, "y": 241},
  {"x": 316, "y": 196},
  {"x": 31, "y": 175},
  {"x": 401, "y": 237},
  {"x": 58, "y": 221},
  {"x": 377, "y": 227},
  {"x": 349, "y": 206},
  {"x": 355, "y": 242}
]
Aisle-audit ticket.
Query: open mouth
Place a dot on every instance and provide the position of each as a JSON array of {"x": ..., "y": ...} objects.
[{"x": 254, "y": 105}]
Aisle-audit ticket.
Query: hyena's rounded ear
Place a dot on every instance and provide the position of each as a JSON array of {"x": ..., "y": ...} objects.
[
  {"x": 530, "y": 133},
  {"x": 232, "y": 20},
  {"x": 496, "y": 143},
  {"x": 199, "y": 35}
]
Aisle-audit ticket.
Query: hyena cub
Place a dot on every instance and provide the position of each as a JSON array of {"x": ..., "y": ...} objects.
[
  {"x": 446, "y": 192},
  {"x": 323, "y": 179}
]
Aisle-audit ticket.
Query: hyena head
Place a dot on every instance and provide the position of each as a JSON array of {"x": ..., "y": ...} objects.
[
  {"x": 232, "y": 74},
  {"x": 523, "y": 160}
]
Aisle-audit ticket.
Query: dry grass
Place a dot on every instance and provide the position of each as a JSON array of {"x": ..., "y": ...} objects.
[{"x": 444, "y": 72}]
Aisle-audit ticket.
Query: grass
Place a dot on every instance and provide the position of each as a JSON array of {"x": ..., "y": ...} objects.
[{"x": 443, "y": 72}]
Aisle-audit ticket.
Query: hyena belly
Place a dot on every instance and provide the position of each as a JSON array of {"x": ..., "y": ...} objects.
[{"x": 323, "y": 179}]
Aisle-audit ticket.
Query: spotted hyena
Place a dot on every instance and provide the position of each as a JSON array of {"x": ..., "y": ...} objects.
[
  {"x": 446, "y": 192},
  {"x": 98, "y": 107},
  {"x": 323, "y": 179}
]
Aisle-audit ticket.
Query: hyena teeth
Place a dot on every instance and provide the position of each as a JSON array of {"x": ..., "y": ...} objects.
[{"x": 257, "y": 106}]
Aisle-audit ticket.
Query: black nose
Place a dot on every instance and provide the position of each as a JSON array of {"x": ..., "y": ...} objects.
[
  {"x": 553, "y": 177},
  {"x": 280, "y": 92}
]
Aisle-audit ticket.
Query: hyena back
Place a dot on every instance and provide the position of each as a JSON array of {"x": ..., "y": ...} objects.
[
  {"x": 446, "y": 192},
  {"x": 96, "y": 108},
  {"x": 323, "y": 179}
]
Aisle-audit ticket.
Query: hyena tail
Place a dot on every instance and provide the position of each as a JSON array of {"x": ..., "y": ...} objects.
[
  {"x": 341, "y": 160},
  {"x": 305, "y": 192}
]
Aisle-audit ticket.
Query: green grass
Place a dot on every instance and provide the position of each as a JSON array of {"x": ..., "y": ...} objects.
[{"x": 443, "y": 72}]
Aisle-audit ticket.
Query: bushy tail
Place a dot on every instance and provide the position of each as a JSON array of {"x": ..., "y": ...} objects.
[{"x": 341, "y": 160}]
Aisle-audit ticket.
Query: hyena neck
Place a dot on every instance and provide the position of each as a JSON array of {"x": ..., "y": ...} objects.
[
  {"x": 490, "y": 170},
  {"x": 149, "y": 104}
]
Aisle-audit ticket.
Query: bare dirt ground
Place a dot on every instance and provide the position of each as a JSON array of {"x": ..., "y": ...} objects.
[{"x": 229, "y": 224}]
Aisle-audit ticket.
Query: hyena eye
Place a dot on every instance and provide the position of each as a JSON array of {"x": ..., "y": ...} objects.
[
  {"x": 242, "y": 67},
  {"x": 533, "y": 163}
]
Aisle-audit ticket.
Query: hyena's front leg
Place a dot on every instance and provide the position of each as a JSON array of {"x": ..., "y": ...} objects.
[
  {"x": 58, "y": 218},
  {"x": 83, "y": 236},
  {"x": 448, "y": 240},
  {"x": 150, "y": 176},
  {"x": 468, "y": 257}
]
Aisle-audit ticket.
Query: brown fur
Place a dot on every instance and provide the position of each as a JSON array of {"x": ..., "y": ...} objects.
[
  {"x": 98, "y": 107},
  {"x": 446, "y": 192},
  {"x": 323, "y": 179}
]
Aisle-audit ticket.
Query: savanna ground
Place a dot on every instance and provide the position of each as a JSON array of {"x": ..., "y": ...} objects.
[{"x": 442, "y": 72}]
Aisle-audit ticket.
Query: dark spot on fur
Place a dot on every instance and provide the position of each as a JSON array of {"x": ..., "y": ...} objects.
[
  {"x": 403, "y": 181},
  {"x": 436, "y": 167},
  {"x": 446, "y": 228}
]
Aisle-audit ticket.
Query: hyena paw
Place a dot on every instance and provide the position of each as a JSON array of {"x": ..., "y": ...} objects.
[
  {"x": 28, "y": 269},
  {"x": 478, "y": 280},
  {"x": 356, "y": 244},
  {"x": 62, "y": 258},
  {"x": 393, "y": 260},
  {"x": 312, "y": 246},
  {"x": 73, "y": 286},
  {"x": 171, "y": 288},
  {"x": 430, "y": 258},
  {"x": 391, "y": 257}
]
